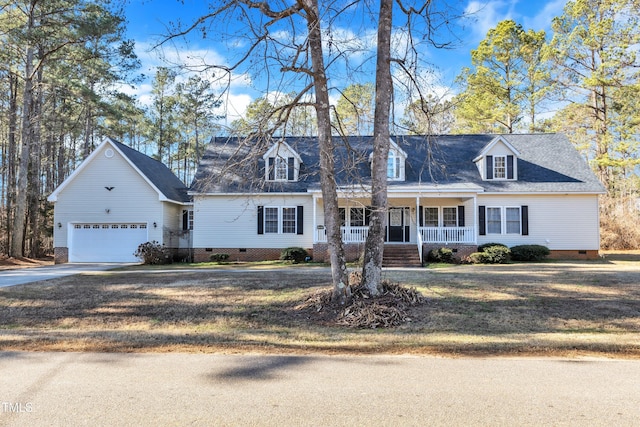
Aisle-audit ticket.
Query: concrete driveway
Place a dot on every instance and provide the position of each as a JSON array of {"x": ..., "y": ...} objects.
[
  {"x": 35, "y": 274},
  {"x": 65, "y": 389}
]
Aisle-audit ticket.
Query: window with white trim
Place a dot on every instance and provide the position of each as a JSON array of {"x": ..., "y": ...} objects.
[
  {"x": 449, "y": 217},
  {"x": 431, "y": 217},
  {"x": 393, "y": 165},
  {"x": 499, "y": 167},
  {"x": 281, "y": 169},
  {"x": 513, "y": 220},
  {"x": 280, "y": 220},
  {"x": 494, "y": 220},
  {"x": 289, "y": 220},
  {"x": 356, "y": 217},
  {"x": 270, "y": 220}
]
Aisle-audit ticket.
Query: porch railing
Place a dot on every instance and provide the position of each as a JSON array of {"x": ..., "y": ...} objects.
[
  {"x": 447, "y": 234},
  {"x": 426, "y": 234},
  {"x": 349, "y": 234}
]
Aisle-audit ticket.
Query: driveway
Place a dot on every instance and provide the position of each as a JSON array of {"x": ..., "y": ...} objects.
[
  {"x": 95, "y": 389},
  {"x": 27, "y": 275}
]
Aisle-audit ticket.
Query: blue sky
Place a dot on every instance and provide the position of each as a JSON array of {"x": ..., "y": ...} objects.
[{"x": 148, "y": 20}]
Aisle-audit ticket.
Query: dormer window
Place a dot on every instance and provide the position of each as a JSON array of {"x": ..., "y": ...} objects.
[
  {"x": 499, "y": 167},
  {"x": 393, "y": 165},
  {"x": 282, "y": 163},
  {"x": 281, "y": 169}
]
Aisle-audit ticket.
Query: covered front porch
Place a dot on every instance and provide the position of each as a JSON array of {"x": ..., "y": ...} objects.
[{"x": 413, "y": 217}]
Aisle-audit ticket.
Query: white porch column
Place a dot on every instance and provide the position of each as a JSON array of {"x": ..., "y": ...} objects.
[
  {"x": 475, "y": 219},
  {"x": 315, "y": 219},
  {"x": 418, "y": 213}
]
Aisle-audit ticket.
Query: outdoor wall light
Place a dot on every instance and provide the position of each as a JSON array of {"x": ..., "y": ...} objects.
[
  {"x": 155, "y": 225},
  {"x": 59, "y": 225}
]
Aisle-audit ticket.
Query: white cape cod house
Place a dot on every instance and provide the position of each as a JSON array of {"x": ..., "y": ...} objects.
[
  {"x": 252, "y": 200},
  {"x": 457, "y": 191}
]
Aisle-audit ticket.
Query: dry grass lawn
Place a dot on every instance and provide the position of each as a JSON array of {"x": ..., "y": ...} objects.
[{"x": 554, "y": 308}]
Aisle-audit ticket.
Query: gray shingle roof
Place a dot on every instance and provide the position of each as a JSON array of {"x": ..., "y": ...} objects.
[
  {"x": 157, "y": 173},
  {"x": 547, "y": 163}
]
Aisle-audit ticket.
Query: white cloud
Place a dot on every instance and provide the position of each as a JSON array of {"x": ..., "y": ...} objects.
[
  {"x": 542, "y": 20},
  {"x": 486, "y": 15}
]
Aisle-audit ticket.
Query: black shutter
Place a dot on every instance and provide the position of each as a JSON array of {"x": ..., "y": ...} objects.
[
  {"x": 272, "y": 173},
  {"x": 185, "y": 219},
  {"x": 260, "y": 219},
  {"x": 524, "y": 211},
  {"x": 509, "y": 167},
  {"x": 290, "y": 168},
  {"x": 421, "y": 215},
  {"x": 300, "y": 219},
  {"x": 489, "y": 167},
  {"x": 460, "y": 216},
  {"x": 481, "y": 221},
  {"x": 367, "y": 215}
]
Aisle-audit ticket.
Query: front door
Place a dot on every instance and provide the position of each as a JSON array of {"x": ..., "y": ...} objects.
[{"x": 396, "y": 225}]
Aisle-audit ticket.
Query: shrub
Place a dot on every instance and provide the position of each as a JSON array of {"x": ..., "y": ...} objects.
[
  {"x": 153, "y": 253},
  {"x": 441, "y": 255},
  {"x": 496, "y": 254},
  {"x": 484, "y": 246},
  {"x": 295, "y": 254},
  {"x": 219, "y": 257},
  {"x": 529, "y": 252}
]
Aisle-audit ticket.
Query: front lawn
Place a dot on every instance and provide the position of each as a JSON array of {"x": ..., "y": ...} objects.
[{"x": 558, "y": 308}]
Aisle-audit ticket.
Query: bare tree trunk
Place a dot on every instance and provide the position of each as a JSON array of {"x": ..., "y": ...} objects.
[
  {"x": 17, "y": 243},
  {"x": 35, "y": 187},
  {"x": 374, "y": 247},
  {"x": 11, "y": 154},
  {"x": 341, "y": 291}
]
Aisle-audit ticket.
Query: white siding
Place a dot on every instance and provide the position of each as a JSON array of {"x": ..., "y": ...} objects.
[
  {"x": 560, "y": 222},
  {"x": 231, "y": 222},
  {"x": 86, "y": 200}
]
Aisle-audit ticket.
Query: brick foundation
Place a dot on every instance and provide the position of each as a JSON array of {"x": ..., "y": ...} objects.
[
  {"x": 61, "y": 255},
  {"x": 352, "y": 252},
  {"x": 575, "y": 254},
  {"x": 237, "y": 254}
]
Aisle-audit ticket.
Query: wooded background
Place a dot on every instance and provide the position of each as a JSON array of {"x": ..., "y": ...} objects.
[{"x": 63, "y": 64}]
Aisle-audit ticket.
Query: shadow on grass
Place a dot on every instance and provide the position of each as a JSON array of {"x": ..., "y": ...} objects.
[{"x": 238, "y": 311}]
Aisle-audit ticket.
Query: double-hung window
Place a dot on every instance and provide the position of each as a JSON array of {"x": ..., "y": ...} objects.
[
  {"x": 512, "y": 218},
  {"x": 281, "y": 169},
  {"x": 494, "y": 220},
  {"x": 271, "y": 220},
  {"x": 504, "y": 220},
  {"x": 431, "y": 218},
  {"x": 499, "y": 167},
  {"x": 280, "y": 219},
  {"x": 393, "y": 165},
  {"x": 450, "y": 217},
  {"x": 289, "y": 220}
]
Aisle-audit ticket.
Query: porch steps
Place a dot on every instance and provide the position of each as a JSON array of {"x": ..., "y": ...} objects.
[{"x": 401, "y": 256}]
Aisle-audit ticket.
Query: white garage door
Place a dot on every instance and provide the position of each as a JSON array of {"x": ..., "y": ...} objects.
[{"x": 105, "y": 242}]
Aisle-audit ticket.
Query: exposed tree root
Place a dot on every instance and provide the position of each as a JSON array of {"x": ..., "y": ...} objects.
[{"x": 387, "y": 310}]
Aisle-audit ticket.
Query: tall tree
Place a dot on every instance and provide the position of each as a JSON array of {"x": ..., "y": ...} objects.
[
  {"x": 196, "y": 104},
  {"x": 44, "y": 40},
  {"x": 594, "y": 52},
  {"x": 304, "y": 43},
  {"x": 354, "y": 111},
  {"x": 163, "y": 131},
  {"x": 506, "y": 80}
]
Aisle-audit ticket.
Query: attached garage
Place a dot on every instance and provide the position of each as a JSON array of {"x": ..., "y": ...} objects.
[{"x": 105, "y": 242}]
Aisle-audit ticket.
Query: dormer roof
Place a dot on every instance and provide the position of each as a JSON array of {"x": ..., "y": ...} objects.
[{"x": 497, "y": 140}]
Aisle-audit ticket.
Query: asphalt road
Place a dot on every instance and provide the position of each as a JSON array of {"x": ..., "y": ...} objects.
[
  {"x": 71, "y": 389},
  {"x": 20, "y": 276}
]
